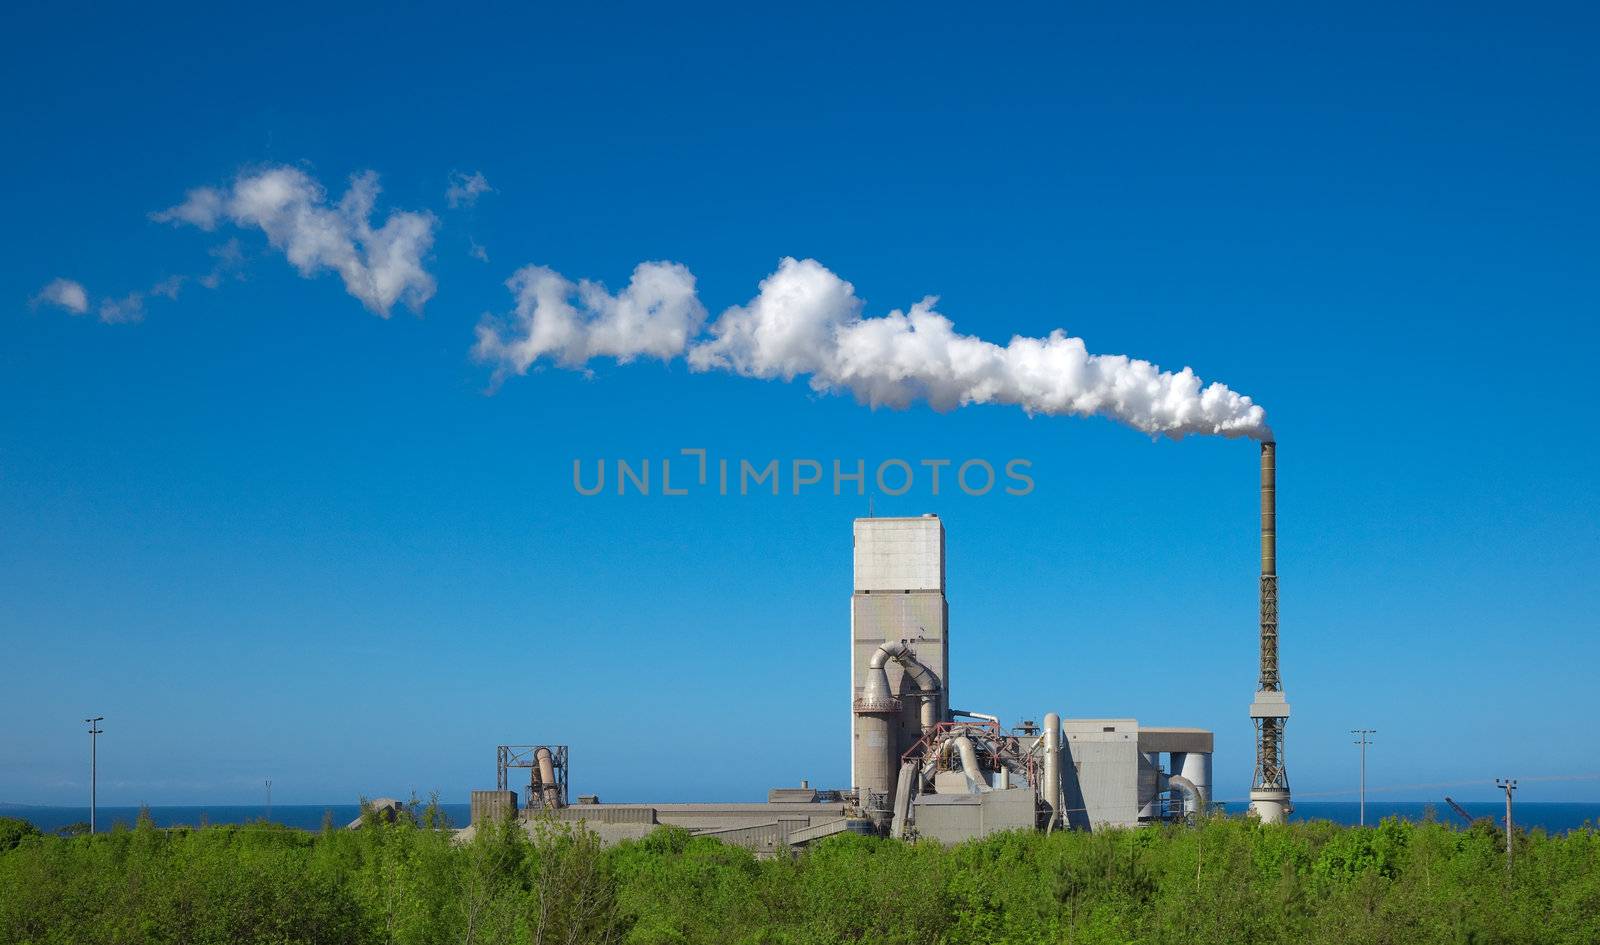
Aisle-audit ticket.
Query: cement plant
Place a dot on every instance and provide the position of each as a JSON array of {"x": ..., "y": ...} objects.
[{"x": 922, "y": 766}]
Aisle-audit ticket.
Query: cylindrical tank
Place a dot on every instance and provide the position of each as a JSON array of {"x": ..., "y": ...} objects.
[
  {"x": 1196, "y": 766},
  {"x": 1050, "y": 791},
  {"x": 873, "y": 755},
  {"x": 1271, "y": 805}
]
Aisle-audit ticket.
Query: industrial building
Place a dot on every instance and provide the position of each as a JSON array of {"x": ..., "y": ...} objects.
[{"x": 920, "y": 766}]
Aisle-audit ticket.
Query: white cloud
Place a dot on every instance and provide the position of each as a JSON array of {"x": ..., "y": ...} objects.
[
  {"x": 379, "y": 266},
  {"x": 478, "y": 252},
  {"x": 806, "y": 321},
  {"x": 201, "y": 207},
  {"x": 655, "y": 316},
  {"x": 129, "y": 308},
  {"x": 229, "y": 258},
  {"x": 169, "y": 287},
  {"x": 464, "y": 190},
  {"x": 64, "y": 293}
]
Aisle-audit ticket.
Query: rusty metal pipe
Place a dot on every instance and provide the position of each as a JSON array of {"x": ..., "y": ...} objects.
[{"x": 547, "y": 778}]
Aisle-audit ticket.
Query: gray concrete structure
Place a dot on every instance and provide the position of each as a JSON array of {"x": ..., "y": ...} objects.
[
  {"x": 767, "y": 829},
  {"x": 899, "y": 595},
  {"x": 952, "y": 818},
  {"x": 493, "y": 805},
  {"x": 1121, "y": 774}
]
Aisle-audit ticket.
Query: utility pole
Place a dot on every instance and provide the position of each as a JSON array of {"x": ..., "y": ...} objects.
[
  {"x": 1508, "y": 785},
  {"x": 94, "y": 773},
  {"x": 1362, "y": 740},
  {"x": 269, "y": 800}
]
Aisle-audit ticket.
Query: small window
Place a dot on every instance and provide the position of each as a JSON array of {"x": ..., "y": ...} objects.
[{"x": 1109, "y": 728}]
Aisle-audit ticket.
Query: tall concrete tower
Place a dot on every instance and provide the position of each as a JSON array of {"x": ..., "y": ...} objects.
[
  {"x": 899, "y": 596},
  {"x": 1269, "y": 788}
]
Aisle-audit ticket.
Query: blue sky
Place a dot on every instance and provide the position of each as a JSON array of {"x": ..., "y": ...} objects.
[{"x": 267, "y": 533}]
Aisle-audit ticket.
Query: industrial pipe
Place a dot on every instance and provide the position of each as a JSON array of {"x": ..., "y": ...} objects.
[
  {"x": 876, "y": 690},
  {"x": 969, "y": 762},
  {"x": 902, "y": 799},
  {"x": 1195, "y": 803},
  {"x": 547, "y": 778},
  {"x": 978, "y": 715},
  {"x": 1051, "y": 789}
]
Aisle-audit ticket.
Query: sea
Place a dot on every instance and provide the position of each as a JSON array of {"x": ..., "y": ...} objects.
[{"x": 1550, "y": 817}]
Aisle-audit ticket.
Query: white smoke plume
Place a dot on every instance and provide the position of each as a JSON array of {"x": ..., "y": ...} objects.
[
  {"x": 806, "y": 321},
  {"x": 379, "y": 266},
  {"x": 656, "y": 316}
]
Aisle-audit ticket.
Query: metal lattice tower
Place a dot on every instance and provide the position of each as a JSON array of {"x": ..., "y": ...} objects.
[{"x": 1269, "y": 788}]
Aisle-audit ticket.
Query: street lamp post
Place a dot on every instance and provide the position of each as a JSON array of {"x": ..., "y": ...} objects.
[{"x": 94, "y": 773}]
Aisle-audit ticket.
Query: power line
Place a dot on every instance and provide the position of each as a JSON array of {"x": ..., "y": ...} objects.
[
  {"x": 94, "y": 773},
  {"x": 1363, "y": 741}
]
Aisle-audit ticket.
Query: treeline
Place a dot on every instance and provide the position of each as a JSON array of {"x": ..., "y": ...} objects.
[{"x": 1226, "y": 881}]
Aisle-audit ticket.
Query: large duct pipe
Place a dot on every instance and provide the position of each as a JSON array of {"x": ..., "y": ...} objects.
[
  {"x": 902, "y": 799},
  {"x": 1194, "y": 803},
  {"x": 877, "y": 684},
  {"x": 547, "y": 778},
  {"x": 969, "y": 763},
  {"x": 1050, "y": 790},
  {"x": 1194, "y": 767}
]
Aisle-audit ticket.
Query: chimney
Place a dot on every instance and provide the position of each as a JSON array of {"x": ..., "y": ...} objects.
[{"x": 1269, "y": 788}]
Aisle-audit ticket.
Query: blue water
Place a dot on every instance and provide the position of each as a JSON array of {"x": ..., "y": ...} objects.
[{"x": 1552, "y": 817}]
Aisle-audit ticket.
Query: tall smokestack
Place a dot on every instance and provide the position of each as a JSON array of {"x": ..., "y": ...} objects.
[{"x": 1269, "y": 788}]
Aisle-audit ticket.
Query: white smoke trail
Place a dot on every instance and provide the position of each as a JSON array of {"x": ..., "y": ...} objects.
[
  {"x": 379, "y": 265},
  {"x": 807, "y": 321}
]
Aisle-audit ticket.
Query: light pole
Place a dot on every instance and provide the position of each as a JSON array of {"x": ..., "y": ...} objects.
[
  {"x": 94, "y": 773},
  {"x": 1362, "y": 740},
  {"x": 1508, "y": 785},
  {"x": 269, "y": 800}
]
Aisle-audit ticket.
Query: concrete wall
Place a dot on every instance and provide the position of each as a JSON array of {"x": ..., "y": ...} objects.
[
  {"x": 1103, "y": 777},
  {"x": 952, "y": 818},
  {"x": 493, "y": 805},
  {"x": 1118, "y": 769},
  {"x": 764, "y": 828},
  {"x": 899, "y": 594}
]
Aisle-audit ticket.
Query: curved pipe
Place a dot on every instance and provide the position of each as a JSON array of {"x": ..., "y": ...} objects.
[
  {"x": 969, "y": 762},
  {"x": 876, "y": 690},
  {"x": 1194, "y": 802}
]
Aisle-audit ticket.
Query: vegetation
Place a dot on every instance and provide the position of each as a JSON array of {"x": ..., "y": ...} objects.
[{"x": 408, "y": 882}]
